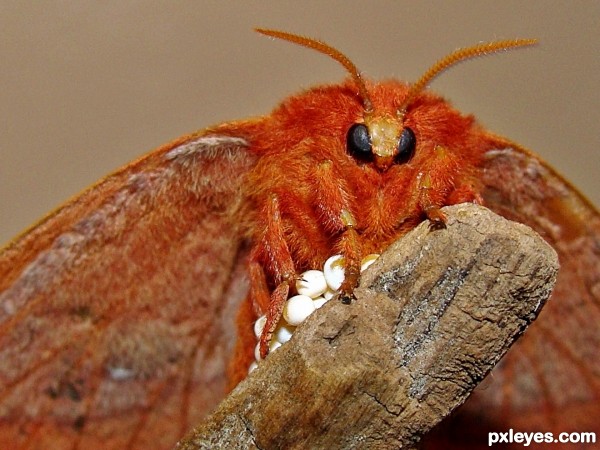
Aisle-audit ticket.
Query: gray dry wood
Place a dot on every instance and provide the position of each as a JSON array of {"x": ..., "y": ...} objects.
[{"x": 431, "y": 318}]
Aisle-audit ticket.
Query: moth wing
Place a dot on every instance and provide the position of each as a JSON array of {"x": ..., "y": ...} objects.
[
  {"x": 117, "y": 311},
  {"x": 550, "y": 380}
]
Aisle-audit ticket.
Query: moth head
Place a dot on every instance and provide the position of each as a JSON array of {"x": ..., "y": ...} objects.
[{"x": 380, "y": 138}]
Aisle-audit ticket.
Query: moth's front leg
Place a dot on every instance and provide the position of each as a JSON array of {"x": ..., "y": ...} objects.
[
  {"x": 442, "y": 183},
  {"x": 350, "y": 249},
  {"x": 271, "y": 251},
  {"x": 429, "y": 201},
  {"x": 334, "y": 205}
]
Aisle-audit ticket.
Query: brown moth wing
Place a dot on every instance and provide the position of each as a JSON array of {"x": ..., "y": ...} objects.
[
  {"x": 119, "y": 306},
  {"x": 550, "y": 380}
]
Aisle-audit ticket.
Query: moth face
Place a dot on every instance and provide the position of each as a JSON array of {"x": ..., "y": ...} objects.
[
  {"x": 329, "y": 125},
  {"x": 386, "y": 140},
  {"x": 381, "y": 140}
]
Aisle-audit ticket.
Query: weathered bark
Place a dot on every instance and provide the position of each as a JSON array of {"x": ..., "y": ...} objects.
[{"x": 431, "y": 318}]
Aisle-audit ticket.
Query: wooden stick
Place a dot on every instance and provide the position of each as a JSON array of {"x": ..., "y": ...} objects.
[{"x": 431, "y": 318}]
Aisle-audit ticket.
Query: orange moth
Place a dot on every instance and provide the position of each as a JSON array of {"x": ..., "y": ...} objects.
[{"x": 118, "y": 311}]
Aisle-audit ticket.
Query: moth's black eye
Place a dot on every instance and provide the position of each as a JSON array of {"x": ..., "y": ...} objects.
[
  {"x": 406, "y": 145},
  {"x": 358, "y": 142}
]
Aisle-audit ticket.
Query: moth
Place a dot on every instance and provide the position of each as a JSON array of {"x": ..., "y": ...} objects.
[{"x": 127, "y": 313}]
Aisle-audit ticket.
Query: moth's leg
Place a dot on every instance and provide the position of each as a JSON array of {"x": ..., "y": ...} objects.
[
  {"x": 259, "y": 290},
  {"x": 257, "y": 302},
  {"x": 334, "y": 205},
  {"x": 271, "y": 251},
  {"x": 444, "y": 182},
  {"x": 350, "y": 248},
  {"x": 278, "y": 299},
  {"x": 428, "y": 203}
]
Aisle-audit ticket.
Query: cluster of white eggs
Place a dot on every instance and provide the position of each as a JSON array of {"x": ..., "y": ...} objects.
[{"x": 314, "y": 289}]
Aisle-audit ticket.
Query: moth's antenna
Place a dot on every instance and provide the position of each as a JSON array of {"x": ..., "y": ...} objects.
[
  {"x": 329, "y": 51},
  {"x": 457, "y": 56}
]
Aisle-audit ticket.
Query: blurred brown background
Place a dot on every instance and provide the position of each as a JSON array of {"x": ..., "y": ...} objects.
[{"x": 87, "y": 86}]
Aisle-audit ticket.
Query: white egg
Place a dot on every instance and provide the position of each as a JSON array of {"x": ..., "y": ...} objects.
[
  {"x": 283, "y": 333},
  {"x": 259, "y": 325},
  {"x": 319, "y": 301},
  {"x": 274, "y": 345},
  {"x": 367, "y": 261},
  {"x": 297, "y": 309},
  {"x": 311, "y": 283},
  {"x": 333, "y": 271},
  {"x": 252, "y": 367},
  {"x": 329, "y": 294},
  {"x": 257, "y": 352}
]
